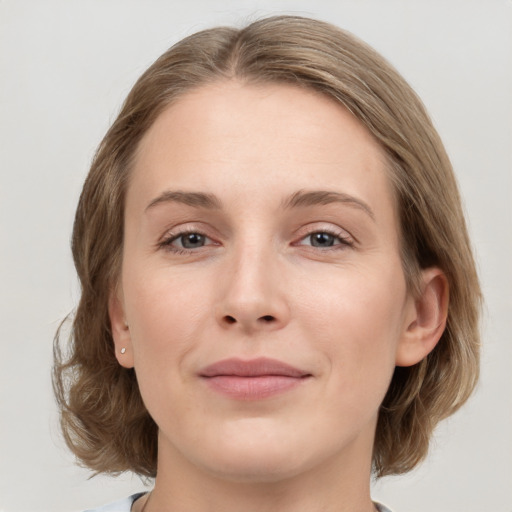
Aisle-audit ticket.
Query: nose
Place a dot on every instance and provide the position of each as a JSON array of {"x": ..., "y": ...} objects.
[{"x": 253, "y": 293}]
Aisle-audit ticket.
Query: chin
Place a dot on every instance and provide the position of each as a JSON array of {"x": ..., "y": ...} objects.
[{"x": 257, "y": 455}]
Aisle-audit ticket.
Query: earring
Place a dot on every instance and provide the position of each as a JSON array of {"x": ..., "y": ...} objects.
[{"x": 123, "y": 350}]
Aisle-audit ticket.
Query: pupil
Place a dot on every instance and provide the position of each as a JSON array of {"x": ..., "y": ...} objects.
[
  {"x": 322, "y": 240},
  {"x": 192, "y": 240}
]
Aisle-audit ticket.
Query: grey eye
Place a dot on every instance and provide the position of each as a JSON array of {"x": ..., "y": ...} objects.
[
  {"x": 322, "y": 239},
  {"x": 192, "y": 240}
]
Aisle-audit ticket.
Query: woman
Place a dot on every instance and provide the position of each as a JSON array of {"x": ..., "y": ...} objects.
[{"x": 278, "y": 291}]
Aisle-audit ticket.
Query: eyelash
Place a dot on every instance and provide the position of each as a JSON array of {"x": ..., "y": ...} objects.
[
  {"x": 166, "y": 243},
  {"x": 342, "y": 238}
]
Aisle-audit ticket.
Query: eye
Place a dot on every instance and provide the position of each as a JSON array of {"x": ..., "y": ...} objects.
[
  {"x": 185, "y": 241},
  {"x": 322, "y": 239},
  {"x": 190, "y": 240},
  {"x": 325, "y": 240}
]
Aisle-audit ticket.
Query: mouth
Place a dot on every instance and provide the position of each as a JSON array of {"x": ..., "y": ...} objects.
[{"x": 254, "y": 379}]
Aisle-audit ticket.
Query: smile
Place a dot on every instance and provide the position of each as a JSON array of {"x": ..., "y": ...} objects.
[{"x": 252, "y": 380}]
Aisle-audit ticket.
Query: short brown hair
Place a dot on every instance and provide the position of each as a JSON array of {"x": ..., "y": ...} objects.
[{"x": 103, "y": 417}]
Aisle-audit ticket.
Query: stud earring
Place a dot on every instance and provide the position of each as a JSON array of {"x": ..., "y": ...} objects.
[{"x": 123, "y": 350}]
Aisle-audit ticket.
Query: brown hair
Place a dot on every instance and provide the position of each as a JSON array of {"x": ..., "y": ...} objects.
[{"x": 103, "y": 418}]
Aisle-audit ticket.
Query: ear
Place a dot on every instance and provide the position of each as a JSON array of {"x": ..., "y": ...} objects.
[
  {"x": 425, "y": 318},
  {"x": 120, "y": 330}
]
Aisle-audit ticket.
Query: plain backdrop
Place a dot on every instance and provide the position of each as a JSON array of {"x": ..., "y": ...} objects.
[{"x": 66, "y": 66}]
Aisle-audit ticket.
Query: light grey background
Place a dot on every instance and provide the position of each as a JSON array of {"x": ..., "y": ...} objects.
[{"x": 65, "y": 67}]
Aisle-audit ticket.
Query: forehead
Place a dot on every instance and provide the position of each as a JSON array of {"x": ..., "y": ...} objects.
[
  {"x": 267, "y": 113},
  {"x": 231, "y": 137}
]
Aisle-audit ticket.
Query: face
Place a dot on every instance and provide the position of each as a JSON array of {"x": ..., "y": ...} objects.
[{"x": 261, "y": 282}]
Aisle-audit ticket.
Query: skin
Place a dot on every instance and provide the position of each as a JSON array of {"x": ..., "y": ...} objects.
[{"x": 258, "y": 284}]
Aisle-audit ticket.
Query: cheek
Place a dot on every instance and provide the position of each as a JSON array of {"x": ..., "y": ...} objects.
[
  {"x": 166, "y": 316},
  {"x": 356, "y": 321},
  {"x": 166, "y": 313}
]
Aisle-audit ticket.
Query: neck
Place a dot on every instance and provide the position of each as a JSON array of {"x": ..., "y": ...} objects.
[{"x": 328, "y": 487}]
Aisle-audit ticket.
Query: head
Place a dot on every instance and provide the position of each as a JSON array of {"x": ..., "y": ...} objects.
[{"x": 103, "y": 398}]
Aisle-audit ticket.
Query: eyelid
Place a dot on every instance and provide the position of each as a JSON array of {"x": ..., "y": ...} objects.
[
  {"x": 172, "y": 234},
  {"x": 318, "y": 227}
]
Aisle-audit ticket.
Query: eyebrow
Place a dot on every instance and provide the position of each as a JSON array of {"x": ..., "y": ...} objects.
[
  {"x": 304, "y": 198},
  {"x": 300, "y": 199},
  {"x": 195, "y": 199}
]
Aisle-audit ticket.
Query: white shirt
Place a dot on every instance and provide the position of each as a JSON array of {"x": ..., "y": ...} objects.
[{"x": 126, "y": 505}]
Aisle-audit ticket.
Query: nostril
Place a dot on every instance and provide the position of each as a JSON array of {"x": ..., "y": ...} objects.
[{"x": 266, "y": 319}]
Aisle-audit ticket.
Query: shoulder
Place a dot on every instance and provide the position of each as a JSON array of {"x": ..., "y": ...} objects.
[
  {"x": 124, "y": 505},
  {"x": 381, "y": 507}
]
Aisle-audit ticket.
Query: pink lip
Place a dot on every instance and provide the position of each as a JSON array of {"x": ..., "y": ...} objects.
[{"x": 252, "y": 380}]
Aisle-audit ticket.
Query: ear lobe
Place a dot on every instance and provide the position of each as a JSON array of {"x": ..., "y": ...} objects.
[
  {"x": 426, "y": 321},
  {"x": 120, "y": 331}
]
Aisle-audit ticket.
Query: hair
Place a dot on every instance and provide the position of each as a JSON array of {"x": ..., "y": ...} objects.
[{"x": 103, "y": 418}]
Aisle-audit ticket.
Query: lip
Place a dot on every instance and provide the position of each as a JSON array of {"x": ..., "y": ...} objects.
[{"x": 253, "y": 379}]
